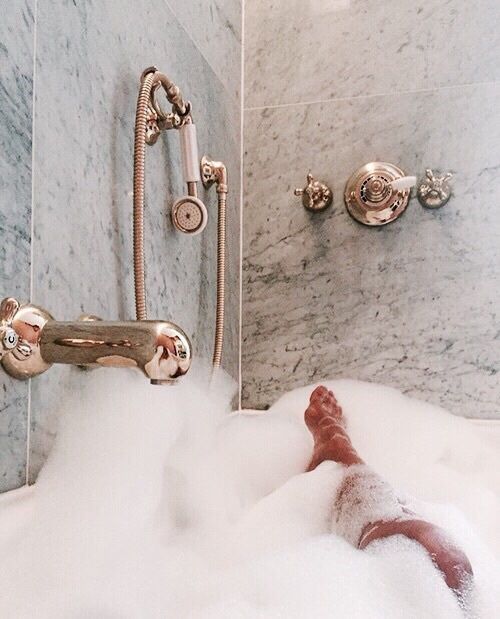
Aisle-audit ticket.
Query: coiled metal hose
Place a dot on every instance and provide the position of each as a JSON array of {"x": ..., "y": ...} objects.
[
  {"x": 221, "y": 275},
  {"x": 139, "y": 177}
]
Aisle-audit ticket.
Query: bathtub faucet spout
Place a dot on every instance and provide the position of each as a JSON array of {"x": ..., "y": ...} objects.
[{"x": 31, "y": 341}]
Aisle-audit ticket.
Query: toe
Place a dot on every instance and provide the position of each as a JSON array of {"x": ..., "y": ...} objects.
[
  {"x": 318, "y": 394},
  {"x": 312, "y": 415}
]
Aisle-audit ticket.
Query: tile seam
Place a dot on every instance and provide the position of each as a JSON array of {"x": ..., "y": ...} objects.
[
  {"x": 200, "y": 51},
  {"x": 32, "y": 230},
  {"x": 370, "y": 96},
  {"x": 242, "y": 170}
]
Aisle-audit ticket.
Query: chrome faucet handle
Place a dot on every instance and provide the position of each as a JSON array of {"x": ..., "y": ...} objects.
[
  {"x": 8, "y": 336},
  {"x": 316, "y": 195},
  {"x": 403, "y": 182},
  {"x": 21, "y": 329},
  {"x": 434, "y": 191}
]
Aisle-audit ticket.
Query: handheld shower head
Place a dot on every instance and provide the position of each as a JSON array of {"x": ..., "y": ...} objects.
[{"x": 189, "y": 215}]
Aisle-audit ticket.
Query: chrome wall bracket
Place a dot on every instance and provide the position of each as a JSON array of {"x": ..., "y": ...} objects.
[
  {"x": 31, "y": 341},
  {"x": 157, "y": 119}
]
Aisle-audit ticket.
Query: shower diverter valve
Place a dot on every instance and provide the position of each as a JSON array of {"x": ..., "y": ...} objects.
[
  {"x": 378, "y": 193},
  {"x": 189, "y": 215}
]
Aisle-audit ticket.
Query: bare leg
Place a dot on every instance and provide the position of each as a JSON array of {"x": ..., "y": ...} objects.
[{"x": 331, "y": 442}]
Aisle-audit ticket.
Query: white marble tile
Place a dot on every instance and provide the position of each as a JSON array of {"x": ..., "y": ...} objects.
[
  {"x": 414, "y": 304},
  {"x": 16, "y": 105},
  {"x": 89, "y": 61},
  {"x": 215, "y": 27},
  {"x": 310, "y": 50}
]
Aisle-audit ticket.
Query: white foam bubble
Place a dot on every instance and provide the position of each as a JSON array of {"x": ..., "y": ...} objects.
[{"x": 156, "y": 503}]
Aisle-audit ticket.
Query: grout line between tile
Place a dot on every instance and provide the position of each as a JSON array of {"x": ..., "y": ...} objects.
[
  {"x": 32, "y": 228},
  {"x": 190, "y": 37},
  {"x": 242, "y": 150},
  {"x": 370, "y": 96}
]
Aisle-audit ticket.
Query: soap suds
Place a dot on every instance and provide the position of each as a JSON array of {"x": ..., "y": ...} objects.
[{"x": 157, "y": 503}]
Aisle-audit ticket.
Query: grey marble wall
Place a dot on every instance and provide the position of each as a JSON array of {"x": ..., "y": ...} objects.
[
  {"x": 88, "y": 60},
  {"x": 16, "y": 113},
  {"x": 414, "y": 304}
]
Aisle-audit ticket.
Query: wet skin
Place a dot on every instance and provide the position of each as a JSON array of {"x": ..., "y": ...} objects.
[{"x": 326, "y": 423}]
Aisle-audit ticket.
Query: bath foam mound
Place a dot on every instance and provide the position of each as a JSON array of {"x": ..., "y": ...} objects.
[{"x": 156, "y": 502}]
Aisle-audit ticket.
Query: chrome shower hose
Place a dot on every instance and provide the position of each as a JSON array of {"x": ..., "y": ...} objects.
[
  {"x": 139, "y": 174},
  {"x": 221, "y": 277}
]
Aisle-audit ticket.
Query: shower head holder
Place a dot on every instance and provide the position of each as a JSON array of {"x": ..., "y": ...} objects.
[{"x": 157, "y": 119}]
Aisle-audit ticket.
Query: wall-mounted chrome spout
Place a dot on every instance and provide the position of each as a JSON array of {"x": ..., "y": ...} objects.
[{"x": 31, "y": 341}]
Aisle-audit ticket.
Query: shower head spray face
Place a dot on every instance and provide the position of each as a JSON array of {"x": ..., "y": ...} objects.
[{"x": 189, "y": 215}]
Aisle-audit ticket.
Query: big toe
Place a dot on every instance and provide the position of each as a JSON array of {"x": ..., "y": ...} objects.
[
  {"x": 318, "y": 394},
  {"x": 323, "y": 404},
  {"x": 321, "y": 396}
]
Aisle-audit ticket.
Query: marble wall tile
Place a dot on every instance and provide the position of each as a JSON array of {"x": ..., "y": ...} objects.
[
  {"x": 16, "y": 105},
  {"x": 215, "y": 27},
  {"x": 321, "y": 49},
  {"x": 89, "y": 61},
  {"x": 413, "y": 304}
]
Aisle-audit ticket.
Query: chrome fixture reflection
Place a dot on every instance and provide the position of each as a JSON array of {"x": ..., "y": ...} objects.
[
  {"x": 378, "y": 193},
  {"x": 434, "y": 191},
  {"x": 316, "y": 195},
  {"x": 31, "y": 341}
]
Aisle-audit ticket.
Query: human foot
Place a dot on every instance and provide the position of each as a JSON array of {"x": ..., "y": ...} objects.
[{"x": 325, "y": 421}]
